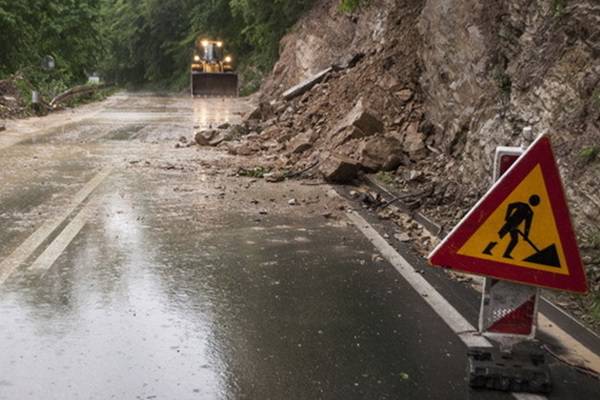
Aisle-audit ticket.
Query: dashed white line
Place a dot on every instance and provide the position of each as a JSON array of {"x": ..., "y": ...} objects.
[{"x": 58, "y": 245}]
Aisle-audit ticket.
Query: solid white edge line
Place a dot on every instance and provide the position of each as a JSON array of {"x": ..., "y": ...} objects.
[
  {"x": 459, "y": 325},
  {"x": 455, "y": 321}
]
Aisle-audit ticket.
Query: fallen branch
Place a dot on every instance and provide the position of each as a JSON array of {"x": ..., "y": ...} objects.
[{"x": 74, "y": 91}]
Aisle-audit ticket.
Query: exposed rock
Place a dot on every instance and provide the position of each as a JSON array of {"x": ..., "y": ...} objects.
[
  {"x": 224, "y": 125},
  {"x": 2, "y": 128},
  {"x": 404, "y": 95},
  {"x": 380, "y": 153},
  {"x": 204, "y": 137},
  {"x": 414, "y": 143},
  {"x": 262, "y": 111},
  {"x": 362, "y": 118},
  {"x": 338, "y": 169},
  {"x": 245, "y": 148},
  {"x": 302, "y": 142}
]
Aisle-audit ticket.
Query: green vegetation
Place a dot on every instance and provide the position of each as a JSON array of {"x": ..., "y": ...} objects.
[
  {"x": 140, "y": 42},
  {"x": 589, "y": 154},
  {"x": 595, "y": 240},
  {"x": 558, "y": 7},
  {"x": 596, "y": 98},
  {"x": 137, "y": 42},
  {"x": 351, "y": 5},
  {"x": 386, "y": 177},
  {"x": 503, "y": 81},
  {"x": 152, "y": 40}
]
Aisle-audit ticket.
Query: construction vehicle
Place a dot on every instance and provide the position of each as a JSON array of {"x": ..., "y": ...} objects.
[{"x": 212, "y": 71}]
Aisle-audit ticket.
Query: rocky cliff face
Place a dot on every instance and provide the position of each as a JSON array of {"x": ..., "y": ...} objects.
[{"x": 494, "y": 68}]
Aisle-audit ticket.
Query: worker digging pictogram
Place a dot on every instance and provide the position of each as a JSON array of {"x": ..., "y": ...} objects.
[{"x": 520, "y": 214}]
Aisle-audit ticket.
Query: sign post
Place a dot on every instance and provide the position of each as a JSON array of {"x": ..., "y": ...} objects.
[{"x": 520, "y": 237}]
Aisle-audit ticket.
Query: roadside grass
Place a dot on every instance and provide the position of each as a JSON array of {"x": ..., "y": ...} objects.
[
  {"x": 386, "y": 177},
  {"x": 589, "y": 154}
]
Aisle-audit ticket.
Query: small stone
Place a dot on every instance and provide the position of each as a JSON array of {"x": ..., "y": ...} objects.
[
  {"x": 263, "y": 212},
  {"x": 402, "y": 237},
  {"x": 292, "y": 202}
]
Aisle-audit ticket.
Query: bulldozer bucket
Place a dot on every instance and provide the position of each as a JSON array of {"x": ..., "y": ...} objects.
[{"x": 215, "y": 84}]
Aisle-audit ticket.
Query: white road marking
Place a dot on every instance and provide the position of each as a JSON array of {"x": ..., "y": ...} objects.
[
  {"x": 455, "y": 321},
  {"x": 459, "y": 325},
  {"x": 58, "y": 245},
  {"x": 26, "y": 249}
]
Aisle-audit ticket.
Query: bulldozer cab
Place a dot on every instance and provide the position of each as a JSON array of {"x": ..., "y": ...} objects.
[
  {"x": 212, "y": 72},
  {"x": 209, "y": 51}
]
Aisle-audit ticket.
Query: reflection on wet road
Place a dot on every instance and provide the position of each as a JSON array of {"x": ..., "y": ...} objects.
[{"x": 168, "y": 283}]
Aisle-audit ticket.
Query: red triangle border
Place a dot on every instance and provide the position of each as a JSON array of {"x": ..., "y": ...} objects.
[{"x": 445, "y": 254}]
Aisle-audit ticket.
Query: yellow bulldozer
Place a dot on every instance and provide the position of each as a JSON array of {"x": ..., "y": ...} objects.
[{"x": 212, "y": 71}]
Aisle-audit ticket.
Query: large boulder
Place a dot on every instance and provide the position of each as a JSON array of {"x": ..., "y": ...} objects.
[
  {"x": 338, "y": 169},
  {"x": 302, "y": 142},
  {"x": 204, "y": 137},
  {"x": 359, "y": 122},
  {"x": 381, "y": 153}
]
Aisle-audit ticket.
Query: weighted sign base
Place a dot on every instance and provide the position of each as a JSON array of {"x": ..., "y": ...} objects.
[{"x": 521, "y": 371}]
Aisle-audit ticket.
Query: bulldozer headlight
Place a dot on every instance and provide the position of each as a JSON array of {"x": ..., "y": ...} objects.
[
  {"x": 196, "y": 58},
  {"x": 219, "y": 44},
  {"x": 228, "y": 59},
  {"x": 204, "y": 43}
]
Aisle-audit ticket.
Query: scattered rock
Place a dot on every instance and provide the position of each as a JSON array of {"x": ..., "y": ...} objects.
[
  {"x": 273, "y": 177},
  {"x": 414, "y": 143},
  {"x": 404, "y": 95},
  {"x": 225, "y": 125},
  {"x": 262, "y": 111},
  {"x": 204, "y": 137},
  {"x": 302, "y": 142},
  {"x": 292, "y": 202},
  {"x": 402, "y": 237},
  {"x": 183, "y": 139},
  {"x": 2, "y": 128},
  {"x": 338, "y": 169},
  {"x": 243, "y": 149}
]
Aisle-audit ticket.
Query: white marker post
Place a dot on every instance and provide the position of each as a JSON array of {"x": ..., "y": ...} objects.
[{"x": 508, "y": 313}]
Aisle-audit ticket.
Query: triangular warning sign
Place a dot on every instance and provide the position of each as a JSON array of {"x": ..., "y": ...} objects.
[{"x": 520, "y": 230}]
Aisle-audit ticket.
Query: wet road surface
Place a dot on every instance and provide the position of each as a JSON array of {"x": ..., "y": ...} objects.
[{"x": 134, "y": 270}]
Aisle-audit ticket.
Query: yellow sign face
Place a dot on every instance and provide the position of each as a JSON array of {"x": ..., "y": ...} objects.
[{"x": 522, "y": 231}]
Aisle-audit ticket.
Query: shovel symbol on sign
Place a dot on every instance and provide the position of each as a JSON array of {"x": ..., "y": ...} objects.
[{"x": 522, "y": 213}]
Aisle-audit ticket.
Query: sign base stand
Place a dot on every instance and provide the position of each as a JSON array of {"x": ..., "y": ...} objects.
[{"x": 516, "y": 371}]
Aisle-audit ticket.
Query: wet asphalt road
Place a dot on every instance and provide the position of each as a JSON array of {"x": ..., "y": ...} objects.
[{"x": 166, "y": 280}]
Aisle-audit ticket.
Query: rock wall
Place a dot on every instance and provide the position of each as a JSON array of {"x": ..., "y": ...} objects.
[{"x": 492, "y": 68}]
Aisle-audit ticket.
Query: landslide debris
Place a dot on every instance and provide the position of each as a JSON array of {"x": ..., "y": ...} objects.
[{"x": 422, "y": 94}]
